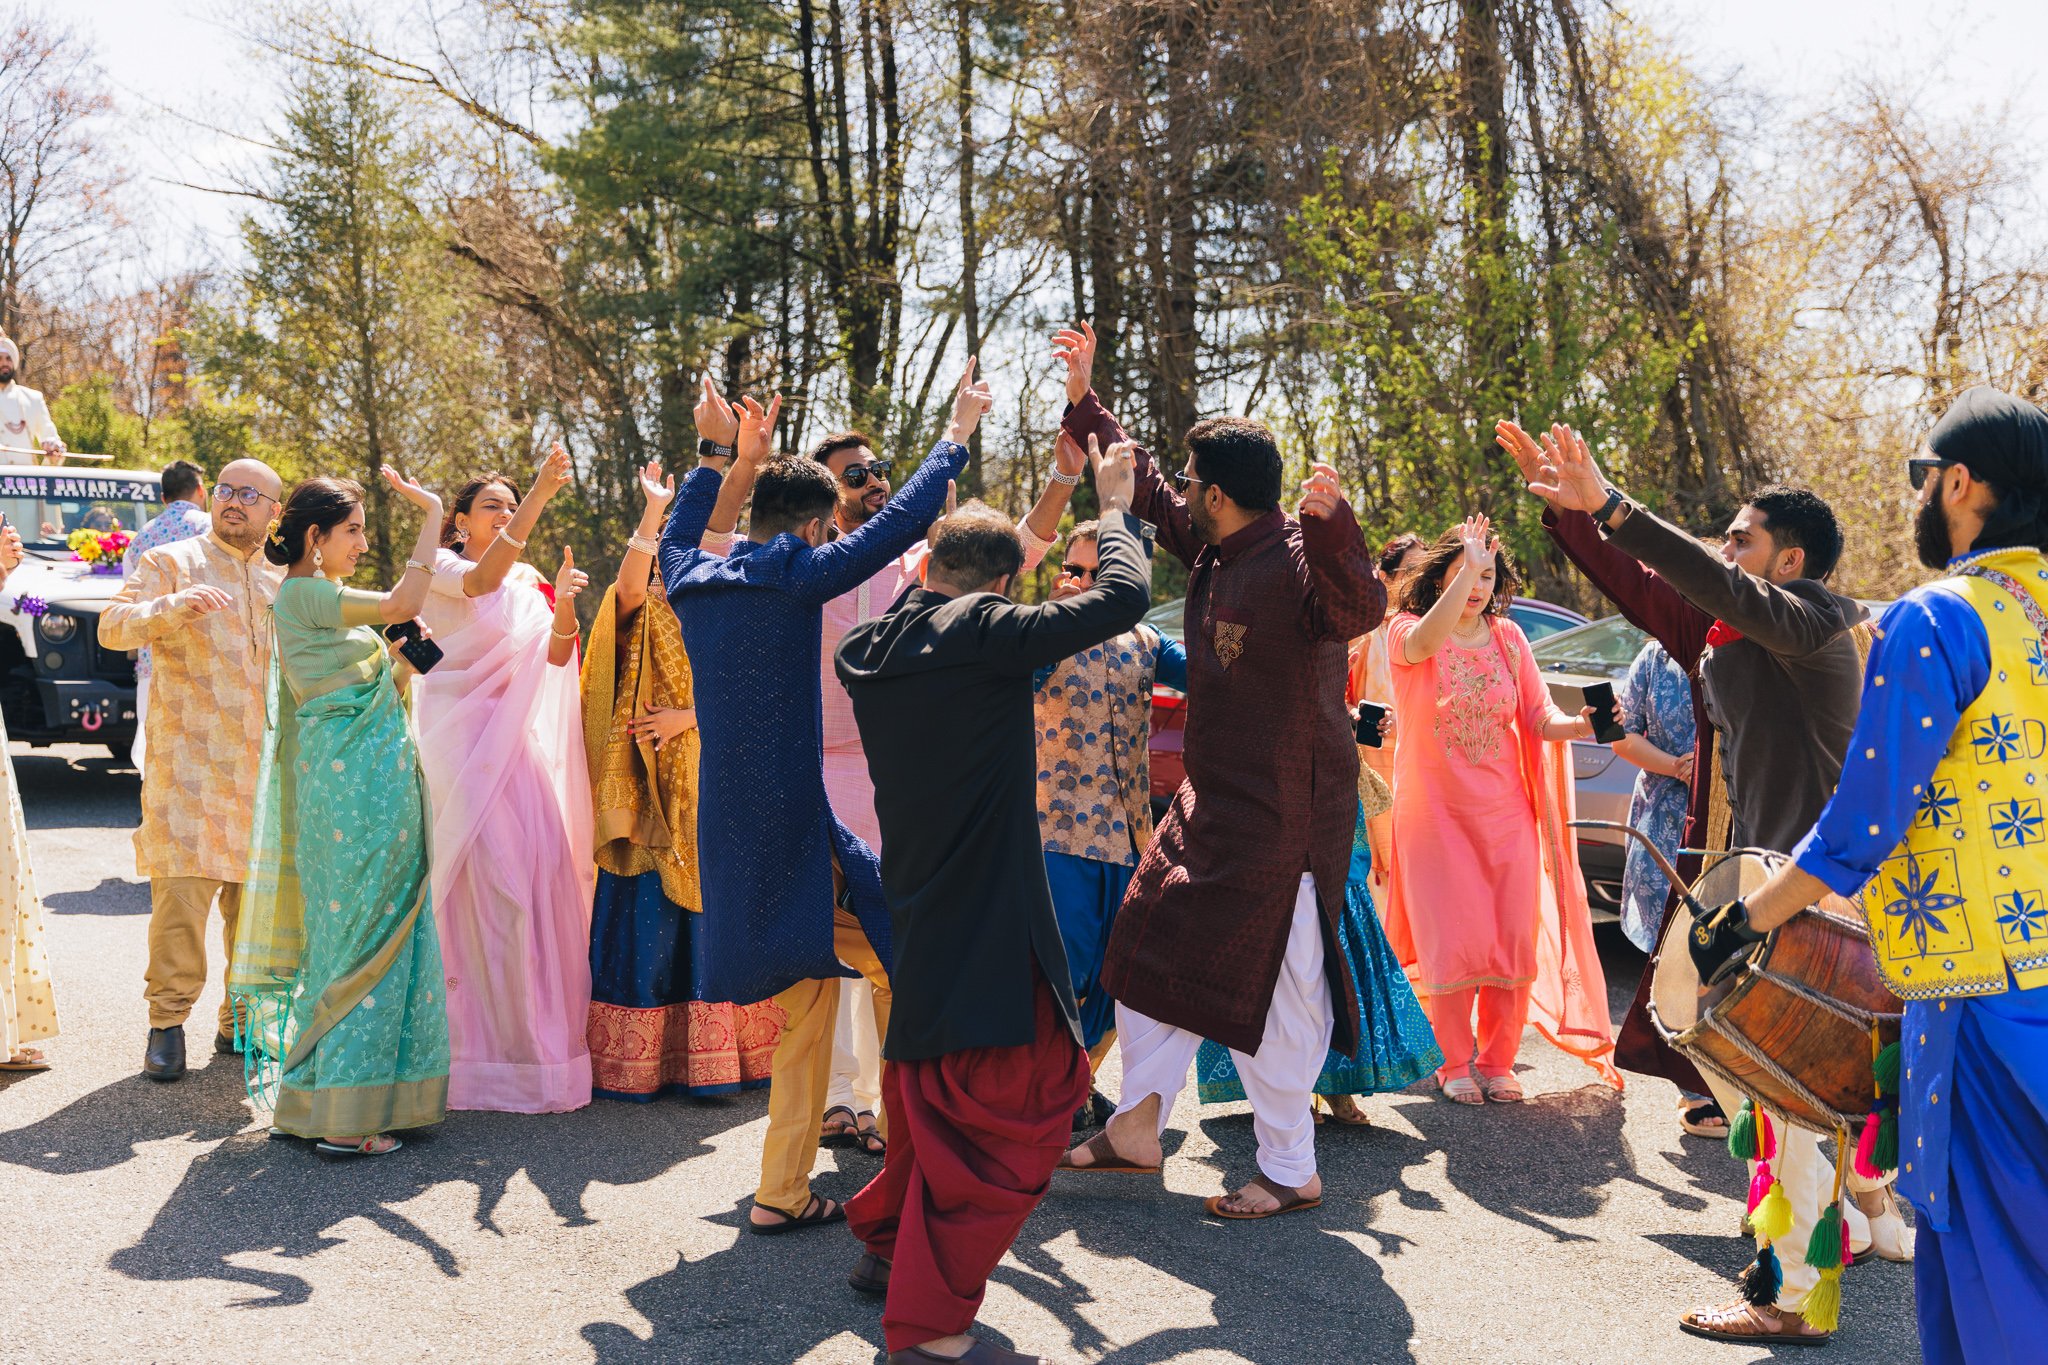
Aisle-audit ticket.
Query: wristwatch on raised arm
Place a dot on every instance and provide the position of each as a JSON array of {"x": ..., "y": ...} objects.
[
  {"x": 1611, "y": 506},
  {"x": 708, "y": 449}
]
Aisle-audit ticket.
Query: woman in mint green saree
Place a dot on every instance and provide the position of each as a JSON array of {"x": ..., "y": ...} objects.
[{"x": 336, "y": 958}]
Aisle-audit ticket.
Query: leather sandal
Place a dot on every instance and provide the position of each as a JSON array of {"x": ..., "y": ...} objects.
[
  {"x": 1460, "y": 1089},
  {"x": 980, "y": 1353},
  {"x": 1103, "y": 1157},
  {"x": 838, "y": 1132},
  {"x": 816, "y": 1210},
  {"x": 1290, "y": 1200},
  {"x": 870, "y": 1275},
  {"x": 868, "y": 1136},
  {"x": 1746, "y": 1323},
  {"x": 1502, "y": 1089}
]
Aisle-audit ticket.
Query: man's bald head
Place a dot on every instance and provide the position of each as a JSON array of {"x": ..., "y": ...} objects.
[{"x": 244, "y": 524}]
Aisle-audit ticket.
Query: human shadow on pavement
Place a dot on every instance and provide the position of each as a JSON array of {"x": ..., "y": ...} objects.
[
  {"x": 102, "y": 1130},
  {"x": 58, "y": 792},
  {"x": 254, "y": 1195},
  {"x": 113, "y": 896}
]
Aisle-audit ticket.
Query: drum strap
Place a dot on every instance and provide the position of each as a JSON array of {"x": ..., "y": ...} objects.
[{"x": 2036, "y": 618}]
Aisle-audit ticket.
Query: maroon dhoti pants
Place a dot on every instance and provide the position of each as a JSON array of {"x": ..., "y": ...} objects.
[{"x": 973, "y": 1138}]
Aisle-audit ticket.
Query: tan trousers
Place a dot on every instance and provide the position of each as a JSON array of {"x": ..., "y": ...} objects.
[
  {"x": 178, "y": 910},
  {"x": 802, "y": 1074}
]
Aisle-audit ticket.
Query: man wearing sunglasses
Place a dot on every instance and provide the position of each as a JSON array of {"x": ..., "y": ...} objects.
[
  {"x": 202, "y": 607},
  {"x": 183, "y": 485},
  {"x": 860, "y": 482},
  {"x": 1937, "y": 828},
  {"x": 1777, "y": 669}
]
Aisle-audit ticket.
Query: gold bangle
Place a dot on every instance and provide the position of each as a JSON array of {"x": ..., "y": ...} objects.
[
  {"x": 411, "y": 564},
  {"x": 506, "y": 536},
  {"x": 636, "y": 541},
  {"x": 575, "y": 634}
]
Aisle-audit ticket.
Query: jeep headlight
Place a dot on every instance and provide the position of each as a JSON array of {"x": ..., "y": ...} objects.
[{"x": 56, "y": 627}]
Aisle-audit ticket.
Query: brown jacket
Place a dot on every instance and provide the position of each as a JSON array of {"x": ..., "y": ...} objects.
[{"x": 1272, "y": 769}]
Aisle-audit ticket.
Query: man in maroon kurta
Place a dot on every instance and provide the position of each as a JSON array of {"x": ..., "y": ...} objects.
[{"x": 1229, "y": 930}]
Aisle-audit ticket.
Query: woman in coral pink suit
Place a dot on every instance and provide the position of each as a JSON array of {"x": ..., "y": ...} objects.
[
  {"x": 501, "y": 741},
  {"x": 1486, "y": 909}
]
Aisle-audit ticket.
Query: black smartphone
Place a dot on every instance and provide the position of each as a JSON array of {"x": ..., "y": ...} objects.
[
  {"x": 1606, "y": 727},
  {"x": 1367, "y": 726},
  {"x": 418, "y": 650}
]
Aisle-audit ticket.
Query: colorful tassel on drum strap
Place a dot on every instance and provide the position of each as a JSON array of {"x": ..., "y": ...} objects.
[
  {"x": 1877, "y": 1149},
  {"x": 1827, "y": 1251},
  {"x": 1772, "y": 1218},
  {"x": 1762, "y": 1279},
  {"x": 1742, "y": 1144}
]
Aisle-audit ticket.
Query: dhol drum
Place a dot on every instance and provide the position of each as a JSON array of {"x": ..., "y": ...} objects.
[{"x": 1791, "y": 1027}]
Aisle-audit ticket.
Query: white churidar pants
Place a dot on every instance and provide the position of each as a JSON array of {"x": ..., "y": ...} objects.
[
  {"x": 1278, "y": 1078},
  {"x": 856, "y": 1051}
]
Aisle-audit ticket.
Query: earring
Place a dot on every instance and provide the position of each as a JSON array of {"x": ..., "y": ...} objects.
[{"x": 316, "y": 559}]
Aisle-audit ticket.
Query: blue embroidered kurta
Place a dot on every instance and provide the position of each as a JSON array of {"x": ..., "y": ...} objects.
[
  {"x": 766, "y": 833},
  {"x": 1655, "y": 702},
  {"x": 1974, "y": 1073}
]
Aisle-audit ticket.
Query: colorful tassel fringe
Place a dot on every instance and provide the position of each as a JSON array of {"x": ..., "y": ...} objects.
[
  {"x": 1759, "y": 1185},
  {"x": 1822, "y": 1306},
  {"x": 1762, "y": 1279},
  {"x": 1887, "y": 1069},
  {"x": 1773, "y": 1217},
  {"x": 1742, "y": 1133},
  {"x": 1824, "y": 1247}
]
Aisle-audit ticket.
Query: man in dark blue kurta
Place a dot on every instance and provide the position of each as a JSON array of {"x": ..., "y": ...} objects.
[{"x": 774, "y": 857}]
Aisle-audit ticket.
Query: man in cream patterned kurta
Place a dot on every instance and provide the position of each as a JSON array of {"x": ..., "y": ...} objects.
[{"x": 202, "y": 606}]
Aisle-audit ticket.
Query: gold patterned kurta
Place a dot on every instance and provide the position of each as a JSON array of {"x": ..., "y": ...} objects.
[
  {"x": 206, "y": 706},
  {"x": 28, "y": 1011}
]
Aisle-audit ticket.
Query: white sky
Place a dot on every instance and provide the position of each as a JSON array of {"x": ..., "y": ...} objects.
[{"x": 174, "y": 66}]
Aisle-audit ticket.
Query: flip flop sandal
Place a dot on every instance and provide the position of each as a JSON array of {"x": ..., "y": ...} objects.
[
  {"x": 1103, "y": 1158},
  {"x": 1461, "y": 1090},
  {"x": 1290, "y": 1200},
  {"x": 1350, "y": 1115},
  {"x": 869, "y": 1138},
  {"x": 834, "y": 1133},
  {"x": 29, "y": 1060},
  {"x": 827, "y": 1211},
  {"x": 1702, "y": 1119},
  {"x": 1503, "y": 1089},
  {"x": 367, "y": 1147}
]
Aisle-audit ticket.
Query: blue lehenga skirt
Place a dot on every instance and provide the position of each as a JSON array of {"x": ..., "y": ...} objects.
[{"x": 1396, "y": 1046}]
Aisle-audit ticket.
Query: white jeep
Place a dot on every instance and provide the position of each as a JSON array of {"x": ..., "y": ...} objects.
[{"x": 57, "y": 684}]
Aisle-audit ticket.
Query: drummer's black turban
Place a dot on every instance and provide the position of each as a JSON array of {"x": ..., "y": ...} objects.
[{"x": 2002, "y": 440}]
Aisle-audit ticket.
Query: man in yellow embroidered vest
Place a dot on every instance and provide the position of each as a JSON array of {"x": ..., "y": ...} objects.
[{"x": 1938, "y": 830}]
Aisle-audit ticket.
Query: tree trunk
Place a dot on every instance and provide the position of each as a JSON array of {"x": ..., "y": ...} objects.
[{"x": 970, "y": 244}]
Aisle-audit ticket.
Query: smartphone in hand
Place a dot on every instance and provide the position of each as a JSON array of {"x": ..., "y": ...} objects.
[
  {"x": 418, "y": 650},
  {"x": 1367, "y": 724},
  {"x": 1606, "y": 723}
]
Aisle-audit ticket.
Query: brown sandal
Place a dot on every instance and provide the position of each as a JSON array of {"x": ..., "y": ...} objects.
[
  {"x": 1103, "y": 1157},
  {"x": 1290, "y": 1200},
  {"x": 838, "y": 1132},
  {"x": 826, "y": 1211},
  {"x": 1746, "y": 1323}
]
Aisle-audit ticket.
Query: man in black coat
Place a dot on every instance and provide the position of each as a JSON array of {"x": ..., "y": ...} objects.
[{"x": 984, "y": 1049}]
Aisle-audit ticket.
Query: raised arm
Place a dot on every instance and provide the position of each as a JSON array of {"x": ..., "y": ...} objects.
[
  {"x": 629, "y": 588},
  {"x": 1433, "y": 631},
  {"x": 1152, "y": 499},
  {"x": 1041, "y": 525},
  {"x": 718, "y": 423},
  {"x": 1644, "y": 599},
  {"x": 570, "y": 582},
  {"x": 679, "y": 539},
  {"x": 551, "y": 478},
  {"x": 1344, "y": 598},
  {"x": 404, "y": 601}
]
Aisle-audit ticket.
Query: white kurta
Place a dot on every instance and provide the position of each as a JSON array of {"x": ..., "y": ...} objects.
[{"x": 24, "y": 421}]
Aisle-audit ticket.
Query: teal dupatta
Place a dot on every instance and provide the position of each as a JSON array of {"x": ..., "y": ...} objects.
[{"x": 337, "y": 971}]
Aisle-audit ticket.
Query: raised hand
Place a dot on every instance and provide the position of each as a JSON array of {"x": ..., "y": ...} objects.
[
  {"x": 756, "y": 440},
  {"x": 1076, "y": 349},
  {"x": 1068, "y": 457},
  {"x": 569, "y": 580},
  {"x": 1569, "y": 479},
  {"x": 1475, "y": 534},
  {"x": 206, "y": 599},
  {"x": 11, "y": 549},
  {"x": 971, "y": 401},
  {"x": 554, "y": 473},
  {"x": 657, "y": 491},
  {"x": 952, "y": 506},
  {"x": 423, "y": 498},
  {"x": 716, "y": 420},
  {"x": 1321, "y": 495},
  {"x": 1528, "y": 456},
  {"x": 1116, "y": 474}
]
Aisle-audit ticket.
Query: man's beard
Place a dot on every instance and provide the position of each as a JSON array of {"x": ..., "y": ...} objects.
[
  {"x": 1930, "y": 535},
  {"x": 245, "y": 536},
  {"x": 1198, "y": 517},
  {"x": 6, "y": 374},
  {"x": 854, "y": 512}
]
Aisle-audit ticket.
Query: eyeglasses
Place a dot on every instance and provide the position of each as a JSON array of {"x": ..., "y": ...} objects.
[
  {"x": 1920, "y": 466},
  {"x": 856, "y": 475},
  {"x": 1183, "y": 479},
  {"x": 1078, "y": 572},
  {"x": 248, "y": 497}
]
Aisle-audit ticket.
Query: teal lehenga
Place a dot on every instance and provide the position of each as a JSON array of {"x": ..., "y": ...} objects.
[{"x": 337, "y": 967}]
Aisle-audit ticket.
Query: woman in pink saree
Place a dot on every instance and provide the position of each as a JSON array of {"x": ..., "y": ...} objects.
[
  {"x": 501, "y": 741},
  {"x": 1486, "y": 908}
]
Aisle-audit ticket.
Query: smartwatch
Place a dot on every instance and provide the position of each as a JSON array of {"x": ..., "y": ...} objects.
[
  {"x": 709, "y": 449},
  {"x": 1609, "y": 507}
]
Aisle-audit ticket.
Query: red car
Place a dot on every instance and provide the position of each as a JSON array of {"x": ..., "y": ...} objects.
[{"x": 1170, "y": 708}]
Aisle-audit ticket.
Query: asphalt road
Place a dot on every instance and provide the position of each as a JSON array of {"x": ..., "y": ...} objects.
[{"x": 145, "y": 1222}]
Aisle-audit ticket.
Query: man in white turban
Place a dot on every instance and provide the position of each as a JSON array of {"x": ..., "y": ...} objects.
[{"x": 24, "y": 417}]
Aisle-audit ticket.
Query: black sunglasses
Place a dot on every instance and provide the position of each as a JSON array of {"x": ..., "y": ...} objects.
[
  {"x": 856, "y": 475},
  {"x": 1076, "y": 571},
  {"x": 1920, "y": 466}
]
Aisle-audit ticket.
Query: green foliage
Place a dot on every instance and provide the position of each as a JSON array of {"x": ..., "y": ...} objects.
[
  {"x": 91, "y": 420},
  {"x": 1414, "y": 295}
]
